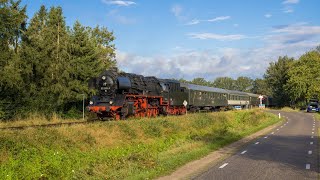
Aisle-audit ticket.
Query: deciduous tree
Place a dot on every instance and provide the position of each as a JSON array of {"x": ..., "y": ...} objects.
[{"x": 276, "y": 77}]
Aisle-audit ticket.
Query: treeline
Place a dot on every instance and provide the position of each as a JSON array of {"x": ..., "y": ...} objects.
[
  {"x": 291, "y": 82},
  {"x": 44, "y": 64}
]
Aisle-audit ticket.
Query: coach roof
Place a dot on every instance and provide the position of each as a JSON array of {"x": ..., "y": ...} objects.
[{"x": 203, "y": 88}]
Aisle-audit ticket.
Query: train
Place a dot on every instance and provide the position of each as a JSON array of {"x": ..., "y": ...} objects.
[{"x": 122, "y": 95}]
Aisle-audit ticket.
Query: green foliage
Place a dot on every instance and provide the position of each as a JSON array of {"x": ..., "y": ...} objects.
[
  {"x": 260, "y": 86},
  {"x": 46, "y": 66},
  {"x": 304, "y": 78},
  {"x": 224, "y": 83},
  {"x": 244, "y": 84},
  {"x": 12, "y": 25},
  {"x": 277, "y": 76},
  {"x": 200, "y": 81}
]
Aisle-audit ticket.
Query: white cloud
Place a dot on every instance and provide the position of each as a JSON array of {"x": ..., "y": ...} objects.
[
  {"x": 298, "y": 29},
  {"x": 292, "y": 40},
  {"x": 120, "y": 18},
  {"x": 290, "y": 2},
  {"x": 220, "y": 37},
  {"x": 288, "y": 10},
  {"x": 193, "y": 22},
  {"x": 197, "y": 21},
  {"x": 176, "y": 10},
  {"x": 119, "y": 2},
  {"x": 220, "y": 18},
  {"x": 268, "y": 15},
  {"x": 293, "y": 34}
]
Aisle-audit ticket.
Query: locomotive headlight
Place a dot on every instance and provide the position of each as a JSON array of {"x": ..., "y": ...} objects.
[
  {"x": 91, "y": 102},
  {"x": 103, "y": 78},
  {"x": 111, "y": 102}
]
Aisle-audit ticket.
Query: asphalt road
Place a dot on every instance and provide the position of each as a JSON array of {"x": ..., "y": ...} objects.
[{"x": 289, "y": 151}]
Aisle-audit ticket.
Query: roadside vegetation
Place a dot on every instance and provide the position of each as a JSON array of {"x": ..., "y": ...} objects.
[
  {"x": 133, "y": 149},
  {"x": 289, "y": 109},
  {"x": 38, "y": 119}
]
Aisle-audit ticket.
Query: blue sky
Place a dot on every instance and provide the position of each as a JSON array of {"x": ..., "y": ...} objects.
[{"x": 207, "y": 38}]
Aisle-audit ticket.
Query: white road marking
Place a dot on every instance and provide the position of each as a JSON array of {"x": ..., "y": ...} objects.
[
  {"x": 313, "y": 129},
  {"x": 307, "y": 166},
  {"x": 277, "y": 129},
  {"x": 257, "y": 143},
  {"x": 309, "y": 152},
  {"x": 243, "y": 152},
  {"x": 272, "y": 133},
  {"x": 311, "y": 136},
  {"x": 266, "y": 137},
  {"x": 223, "y": 165},
  {"x": 311, "y": 142},
  {"x": 312, "y": 132}
]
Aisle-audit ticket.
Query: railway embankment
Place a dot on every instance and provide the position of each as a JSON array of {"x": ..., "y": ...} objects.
[{"x": 131, "y": 149}]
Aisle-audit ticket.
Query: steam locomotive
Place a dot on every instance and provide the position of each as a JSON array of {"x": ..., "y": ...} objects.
[{"x": 121, "y": 95}]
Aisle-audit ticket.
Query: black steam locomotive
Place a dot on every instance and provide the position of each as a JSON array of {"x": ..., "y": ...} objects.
[{"x": 121, "y": 95}]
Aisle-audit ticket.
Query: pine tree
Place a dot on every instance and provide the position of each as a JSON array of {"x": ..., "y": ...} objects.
[
  {"x": 44, "y": 54},
  {"x": 32, "y": 55},
  {"x": 12, "y": 25}
]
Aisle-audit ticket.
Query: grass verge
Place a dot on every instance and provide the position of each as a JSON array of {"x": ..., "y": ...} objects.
[
  {"x": 289, "y": 109},
  {"x": 133, "y": 149},
  {"x": 37, "y": 119}
]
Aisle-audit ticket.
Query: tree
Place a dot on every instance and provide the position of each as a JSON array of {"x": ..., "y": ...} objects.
[
  {"x": 12, "y": 25},
  {"x": 304, "y": 78},
  {"x": 46, "y": 66},
  {"x": 183, "y": 80},
  {"x": 224, "y": 83},
  {"x": 102, "y": 40},
  {"x": 260, "y": 86},
  {"x": 88, "y": 57},
  {"x": 276, "y": 77},
  {"x": 243, "y": 84},
  {"x": 33, "y": 55},
  {"x": 200, "y": 81}
]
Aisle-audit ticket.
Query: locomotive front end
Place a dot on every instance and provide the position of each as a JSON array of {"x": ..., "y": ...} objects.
[{"x": 106, "y": 103}]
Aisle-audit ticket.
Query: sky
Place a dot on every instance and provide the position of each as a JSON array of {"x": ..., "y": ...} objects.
[{"x": 198, "y": 38}]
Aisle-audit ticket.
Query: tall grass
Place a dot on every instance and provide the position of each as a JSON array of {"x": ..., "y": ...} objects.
[
  {"x": 289, "y": 109},
  {"x": 36, "y": 119},
  {"x": 133, "y": 149}
]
